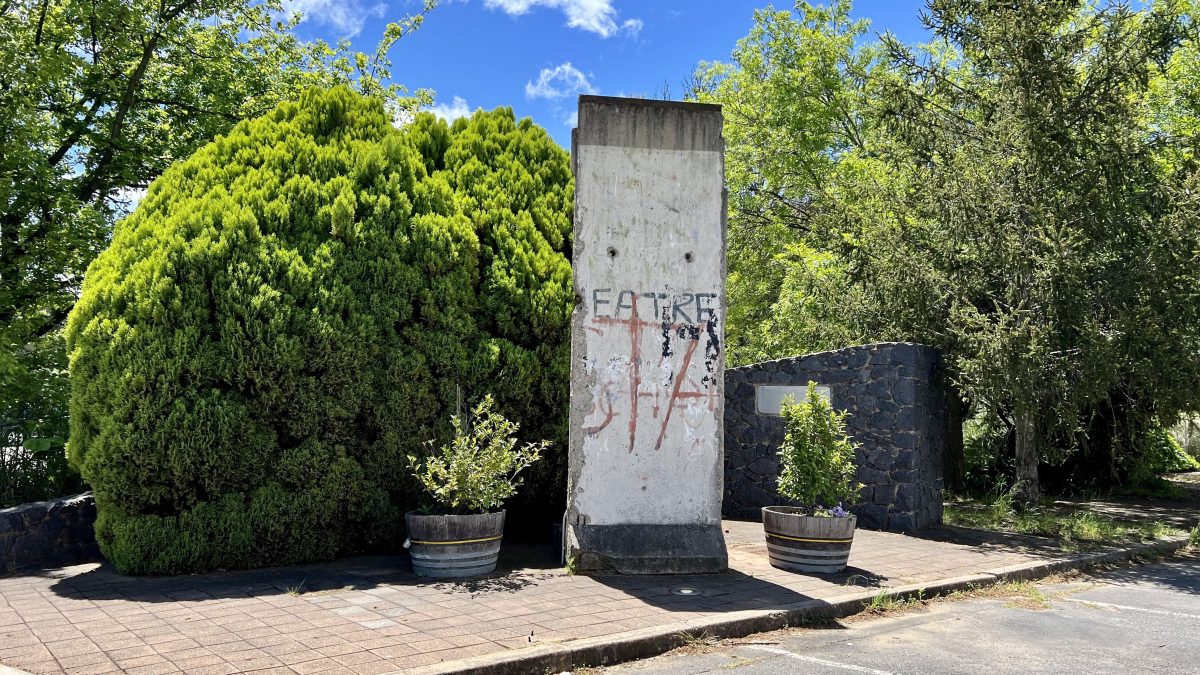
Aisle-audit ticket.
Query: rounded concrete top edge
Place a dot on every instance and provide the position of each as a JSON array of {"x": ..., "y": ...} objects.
[
  {"x": 850, "y": 348},
  {"x": 647, "y": 103}
]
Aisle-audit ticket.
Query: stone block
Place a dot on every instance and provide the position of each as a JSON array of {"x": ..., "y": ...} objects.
[
  {"x": 906, "y": 460},
  {"x": 871, "y": 476},
  {"x": 764, "y": 466},
  {"x": 32, "y": 514},
  {"x": 908, "y": 497},
  {"x": 879, "y": 457},
  {"x": 871, "y": 516},
  {"x": 905, "y": 355},
  {"x": 901, "y": 522},
  {"x": 883, "y": 494},
  {"x": 858, "y": 359}
]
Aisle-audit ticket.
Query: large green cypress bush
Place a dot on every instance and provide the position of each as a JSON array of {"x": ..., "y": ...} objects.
[{"x": 295, "y": 308}]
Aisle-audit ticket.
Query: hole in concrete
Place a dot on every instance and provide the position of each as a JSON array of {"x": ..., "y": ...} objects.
[
  {"x": 612, "y": 252},
  {"x": 688, "y": 256}
]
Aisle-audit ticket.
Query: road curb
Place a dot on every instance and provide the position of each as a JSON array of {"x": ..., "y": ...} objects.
[{"x": 639, "y": 644}]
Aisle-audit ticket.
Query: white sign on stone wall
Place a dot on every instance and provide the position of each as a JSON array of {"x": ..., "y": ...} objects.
[
  {"x": 647, "y": 373},
  {"x": 769, "y": 398}
]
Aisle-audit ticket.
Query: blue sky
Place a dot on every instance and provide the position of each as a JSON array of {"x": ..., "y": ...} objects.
[{"x": 538, "y": 55}]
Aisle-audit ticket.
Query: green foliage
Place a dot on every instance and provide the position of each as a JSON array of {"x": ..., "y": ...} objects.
[
  {"x": 789, "y": 99},
  {"x": 480, "y": 468},
  {"x": 291, "y": 311},
  {"x": 1157, "y": 452},
  {"x": 33, "y": 426},
  {"x": 816, "y": 457},
  {"x": 98, "y": 98},
  {"x": 33, "y": 467},
  {"x": 1020, "y": 192},
  {"x": 1073, "y": 529}
]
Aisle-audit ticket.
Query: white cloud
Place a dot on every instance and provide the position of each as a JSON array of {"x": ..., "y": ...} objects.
[
  {"x": 347, "y": 17},
  {"x": 559, "y": 82},
  {"x": 456, "y": 109},
  {"x": 596, "y": 16},
  {"x": 572, "y": 120}
]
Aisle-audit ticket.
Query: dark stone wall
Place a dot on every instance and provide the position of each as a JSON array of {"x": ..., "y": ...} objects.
[
  {"x": 48, "y": 534},
  {"x": 895, "y": 406}
]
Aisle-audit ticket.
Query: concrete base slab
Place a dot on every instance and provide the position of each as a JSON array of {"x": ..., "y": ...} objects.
[{"x": 647, "y": 549}]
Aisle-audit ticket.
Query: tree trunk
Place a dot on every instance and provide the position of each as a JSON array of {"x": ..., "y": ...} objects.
[
  {"x": 1026, "y": 490},
  {"x": 954, "y": 465}
]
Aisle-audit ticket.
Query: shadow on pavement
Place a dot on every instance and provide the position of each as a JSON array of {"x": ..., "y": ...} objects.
[
  {"x": 520, "y": 565},
  {"x": 725, "y": 592},
  {"x": 1180, "y": 573}
]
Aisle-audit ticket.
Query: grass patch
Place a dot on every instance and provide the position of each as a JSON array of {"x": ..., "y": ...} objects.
[
  {"x": 887, "y": 602},
  {"x": 1071, "y": 528},
  {"x": 1021, "y": 594},
  {"x": 696, "y": 644}
]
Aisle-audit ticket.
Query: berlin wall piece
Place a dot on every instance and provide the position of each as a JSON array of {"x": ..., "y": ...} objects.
[{"x": 645, "y": 477}]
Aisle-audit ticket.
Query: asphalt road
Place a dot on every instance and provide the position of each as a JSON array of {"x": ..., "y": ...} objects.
[{"x": 1133, "y": 619}]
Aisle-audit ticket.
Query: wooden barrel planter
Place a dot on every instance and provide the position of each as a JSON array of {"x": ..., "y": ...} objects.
[
  {"x": 454, "y": 545},
  {"x": 801, "y": 543}
]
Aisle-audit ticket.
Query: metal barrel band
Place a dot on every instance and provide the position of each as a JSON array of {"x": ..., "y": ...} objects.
[
  {"x": 817, "y": 541},
  {"x": 452, "y": 543}
]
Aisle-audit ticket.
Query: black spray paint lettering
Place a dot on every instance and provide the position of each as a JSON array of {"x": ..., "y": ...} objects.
[
  {"x": 596, "y": 301},
  {"x": 655, "y": 297},
  {"x": 678, "y": 304},
  {"x": 704, "y": 312},
  {"x": 678, "y": 308}
]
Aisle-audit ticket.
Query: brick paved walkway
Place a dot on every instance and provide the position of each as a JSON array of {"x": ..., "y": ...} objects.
[{"x": 370, "y": 615}]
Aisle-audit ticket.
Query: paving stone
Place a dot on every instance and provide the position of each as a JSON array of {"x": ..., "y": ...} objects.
[{"x": 242, "y": 621}]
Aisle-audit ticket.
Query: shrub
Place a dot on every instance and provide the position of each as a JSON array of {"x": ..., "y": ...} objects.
[
  {"x": 33, "y": 425},
  {"x": 480, "y": 469},
  {"x": 1155, "y": 451},
  {"x": 817, "y": 457},
  {"x": 289, "y": 313}
]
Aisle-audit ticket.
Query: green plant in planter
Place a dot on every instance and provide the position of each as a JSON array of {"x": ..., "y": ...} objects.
[
  {"x": 817, "y": 457},
  {"x": 480, "y": 468}
]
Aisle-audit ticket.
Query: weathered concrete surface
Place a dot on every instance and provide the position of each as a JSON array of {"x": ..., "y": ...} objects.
[{"x": 647, "y": 356}]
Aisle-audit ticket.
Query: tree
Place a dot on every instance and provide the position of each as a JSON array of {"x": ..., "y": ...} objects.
[
  {"x": 1015, "y": 197},
  {"x": 1057, "y": 243},
  {"x": 791, "y": 99},
  {"x": 97, "y": 99},
  {"x": 293, "y": 310}
]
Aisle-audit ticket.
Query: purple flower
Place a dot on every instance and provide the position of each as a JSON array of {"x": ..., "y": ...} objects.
[{"x": 839, "y": 512}]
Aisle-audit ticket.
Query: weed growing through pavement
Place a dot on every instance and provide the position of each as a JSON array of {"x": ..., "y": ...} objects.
[
  {"x": 697, "y": 643},
  {"x": 295, "y": 590},
  {"x": 888, "y": 601}
]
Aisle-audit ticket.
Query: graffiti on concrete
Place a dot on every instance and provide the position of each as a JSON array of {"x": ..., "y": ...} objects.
[{"x": 663, "y": 372}]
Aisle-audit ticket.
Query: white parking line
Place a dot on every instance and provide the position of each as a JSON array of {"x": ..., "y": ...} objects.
[
  {"x": 1133, "y": 609},
  {"x": 823, "y": 662}
]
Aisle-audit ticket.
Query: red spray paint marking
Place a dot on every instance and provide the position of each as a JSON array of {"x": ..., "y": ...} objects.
[
  {"x": 635, "y": 326},
  {"x": 635, "y": 378},
  {"x": 687, "y": 360}
]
